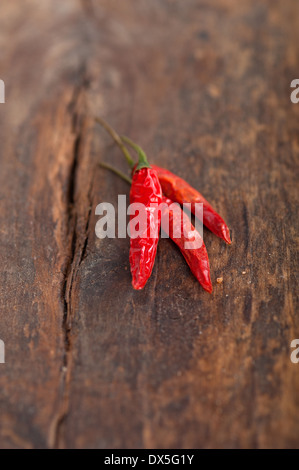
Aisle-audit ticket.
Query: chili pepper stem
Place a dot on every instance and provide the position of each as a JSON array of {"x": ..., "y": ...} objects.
[
  {"x": 117, "y": 140},
  {"x": 117, "y": 172},
  {"x": 142, "y": 158}
]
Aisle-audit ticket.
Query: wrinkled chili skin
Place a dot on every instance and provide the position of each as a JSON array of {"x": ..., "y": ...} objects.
[
  {"x": 197, "y": 258},
  {"x": 180, "y": 191},
  {"x": 145, "y": 189}
]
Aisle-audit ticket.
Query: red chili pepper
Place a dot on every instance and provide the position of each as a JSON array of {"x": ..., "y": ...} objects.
[
  {"x": 196, "y": 258},
  {"x": 180, "y": 191},
  {"x": 145, "y": 189}
]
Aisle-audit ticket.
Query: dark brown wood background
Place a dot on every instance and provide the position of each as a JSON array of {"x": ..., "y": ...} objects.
[{"x": 204, "y": 87}]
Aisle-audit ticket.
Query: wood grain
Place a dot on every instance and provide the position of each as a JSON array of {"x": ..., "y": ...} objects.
[{"x": 204, "y": 87}]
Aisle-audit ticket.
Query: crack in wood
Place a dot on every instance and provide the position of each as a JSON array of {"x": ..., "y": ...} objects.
[{"x": 78, "y": 249}]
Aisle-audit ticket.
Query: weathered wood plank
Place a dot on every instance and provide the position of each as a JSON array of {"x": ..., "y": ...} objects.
[{"x": 205, "y": 90}]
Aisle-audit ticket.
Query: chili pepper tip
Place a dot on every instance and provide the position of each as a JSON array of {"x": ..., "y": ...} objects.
[
  {"x": 209, "y": 289},
  {"x": 226, "y": 235}
]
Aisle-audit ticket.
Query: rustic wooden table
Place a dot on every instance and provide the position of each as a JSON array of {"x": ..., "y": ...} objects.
[{"x": 204, "y": 87}]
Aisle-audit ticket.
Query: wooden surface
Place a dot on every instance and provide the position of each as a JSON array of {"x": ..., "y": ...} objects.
[{"x": 204, "y": 87}]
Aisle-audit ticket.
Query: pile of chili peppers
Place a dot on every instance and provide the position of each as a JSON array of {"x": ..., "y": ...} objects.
[{"x": 150, "y": 185}]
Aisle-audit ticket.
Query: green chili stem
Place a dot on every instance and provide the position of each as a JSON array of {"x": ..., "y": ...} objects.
[
  {"x": 117, "y": 140},
  {"x": 117, "y": 172},
  {"x": 142, "y": 158}
]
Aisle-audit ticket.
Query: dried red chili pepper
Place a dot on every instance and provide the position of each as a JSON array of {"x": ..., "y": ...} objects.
[
  {"x": 180, "y": 191},
  {"x": 145, "y": 189},
  {"x": 196, "y": 258}
]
